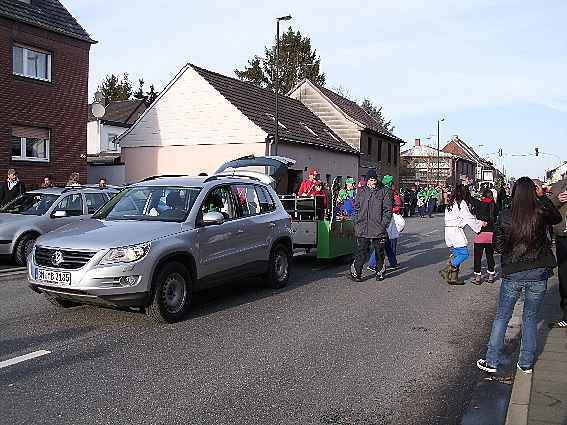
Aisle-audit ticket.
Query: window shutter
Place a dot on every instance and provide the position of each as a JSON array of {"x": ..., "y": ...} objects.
[{"x": 30, "y": 132}]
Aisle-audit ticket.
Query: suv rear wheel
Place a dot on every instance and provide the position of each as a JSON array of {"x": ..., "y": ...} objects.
[
  {"x": 277, "y": 275},
  {"x": 173, "y": 294}
]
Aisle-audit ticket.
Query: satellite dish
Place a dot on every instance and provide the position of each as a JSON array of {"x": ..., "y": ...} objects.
[{"x": 98, "y": 110}]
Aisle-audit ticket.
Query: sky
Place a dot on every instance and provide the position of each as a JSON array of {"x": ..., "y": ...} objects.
[{"x": 495, "y": 70}]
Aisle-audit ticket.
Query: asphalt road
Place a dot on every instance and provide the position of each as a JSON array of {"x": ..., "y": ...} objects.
[{"x": 324, "y": 350}]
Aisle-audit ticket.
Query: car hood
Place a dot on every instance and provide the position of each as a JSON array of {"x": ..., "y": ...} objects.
[{"x": 92, "y": 234}]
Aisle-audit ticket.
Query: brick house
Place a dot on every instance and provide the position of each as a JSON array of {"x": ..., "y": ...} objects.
[
  {"x": 378, "y": 147},
  {"x": 44, "y": 66}
]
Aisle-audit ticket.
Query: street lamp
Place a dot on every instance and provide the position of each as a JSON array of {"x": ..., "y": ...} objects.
[
  {"x": 438, "y": 149},
  {"x": 277, "y": 77}
]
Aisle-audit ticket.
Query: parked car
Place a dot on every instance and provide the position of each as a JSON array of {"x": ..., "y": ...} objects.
[
  {"x": 37, "y": 212},
  {"x": 159, "y": 241}
]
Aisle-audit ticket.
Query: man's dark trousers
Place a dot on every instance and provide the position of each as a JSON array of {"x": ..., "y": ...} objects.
[
  {"x": 561, "y": 250},
  {"x": 362, "y": 249}
]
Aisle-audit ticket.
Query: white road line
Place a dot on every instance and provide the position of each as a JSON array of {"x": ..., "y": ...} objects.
[
  {"x": 430, "y": 233},
  {"x": 23, "y": 358}
]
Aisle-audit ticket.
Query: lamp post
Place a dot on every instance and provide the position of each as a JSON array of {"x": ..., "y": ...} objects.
[
  {"x": 438, "y": 148},
  {"x": 277, "y": 78}
]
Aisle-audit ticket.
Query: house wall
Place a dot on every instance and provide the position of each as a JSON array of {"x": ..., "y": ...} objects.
[
  {"x": 374, "y": 154},
  {"x": 60, "y": 105},
  {"x": 193, "y": 113},
  {"x": 329, "y": 163},
  {"x": 99, "y": 143},
  {"x": 146, "y": 161},
  {"x": 115, "y": 174},
  {"x": 329, "y": 114}
]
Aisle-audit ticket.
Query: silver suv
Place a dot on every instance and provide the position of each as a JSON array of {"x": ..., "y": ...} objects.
[
  {"x": 158, "y": 241},
  {"x": 37, "y": 212}
]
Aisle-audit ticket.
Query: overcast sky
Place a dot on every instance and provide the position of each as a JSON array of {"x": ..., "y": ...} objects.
[{"x": 496, "y": 70}]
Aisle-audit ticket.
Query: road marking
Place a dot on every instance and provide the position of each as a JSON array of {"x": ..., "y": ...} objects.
[
  {"x": 430, "y": 233},
  {"x": 23, "y": 358}
]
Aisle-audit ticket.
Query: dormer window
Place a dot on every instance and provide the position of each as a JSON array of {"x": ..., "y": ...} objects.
[
  {"x": 279, "y": 122},
  {"x": 31, "y": 62}
]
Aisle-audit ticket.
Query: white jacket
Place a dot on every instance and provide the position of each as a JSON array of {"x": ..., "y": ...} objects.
[{"x": 455, "y": 221}]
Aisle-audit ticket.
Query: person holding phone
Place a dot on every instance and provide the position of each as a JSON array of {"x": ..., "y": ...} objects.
[{"x": 559, "y": 199}]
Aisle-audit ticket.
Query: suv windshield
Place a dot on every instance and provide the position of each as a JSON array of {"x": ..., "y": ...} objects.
[
  {"x": 150, "y": 204},
  {"x": 30, "y": 204}
]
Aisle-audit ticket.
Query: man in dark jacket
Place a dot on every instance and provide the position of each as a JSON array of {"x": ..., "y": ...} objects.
[
  {"x": 11, "y": 188},
  {"x": 559, "y": 199},
  {"x": 373, "y": 213}
]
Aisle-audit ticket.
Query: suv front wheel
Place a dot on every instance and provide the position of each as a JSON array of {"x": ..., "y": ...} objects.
[
  {"x": 173, "y": 294},
  {"x": 277, "y": 275}
]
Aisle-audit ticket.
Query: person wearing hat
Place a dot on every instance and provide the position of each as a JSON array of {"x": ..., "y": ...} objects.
[
  {"x": 373, "y": 213},
  {"x": 346, "y": 197},
  {"x": 392, "y": 242},
  {"x": 307, "y": 185}
]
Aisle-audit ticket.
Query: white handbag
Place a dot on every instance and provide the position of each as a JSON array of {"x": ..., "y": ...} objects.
[{"x": 400, "y": 222}]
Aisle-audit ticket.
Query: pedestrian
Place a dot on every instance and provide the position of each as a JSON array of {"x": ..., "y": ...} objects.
[
  {"x": 47, "y": 182},
  {"x": 559, "y": 199},
  {"x": 73, "y": 180},
  {"x": 521, "y": 236},
  {"x": 345, "y": 198},
  {"x": 431, "y": 200},
  {"x": 408, "y": 197},
  {"x": 422, "y": 202},
  {"x": 439, "y": 202},
  {"x": 11, "y": 188},
  {"x": 373, "y": 207},
  {"x": 485, "y": 210},
  {"x": 102, "y": 183},
  {"x": 306, "y": 186},
  {"x": 457, "y": 217}
]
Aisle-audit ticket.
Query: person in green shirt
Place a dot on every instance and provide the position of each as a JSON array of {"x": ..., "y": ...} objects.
[
  {"x": 422, "y": 197},
  {"x": 431, "y": 200},
  {"x": 346, "y": 196}
]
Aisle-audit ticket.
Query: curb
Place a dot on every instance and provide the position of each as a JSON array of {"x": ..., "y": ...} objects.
[
  {"x": 15, "y": 271},
  {"x": 520, "y": 399}
]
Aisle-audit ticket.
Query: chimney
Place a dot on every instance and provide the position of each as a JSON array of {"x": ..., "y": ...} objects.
[{"x": 418, "y": 142}]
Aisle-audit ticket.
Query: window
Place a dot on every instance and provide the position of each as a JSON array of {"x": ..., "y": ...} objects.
[
  {"x": 370, "y": 146},
  {"x": 266, "y": 202},
  {"x": 72, "y": 205},
  {"x": 220, "y": 200},
  {"x": 113, "y": 144},
  {"x": 95, "y": 201},
  {"x": 32, "y": 63},
  {"x": 247, "y": 199},
  {"x": 379, "y": 150},
  {"x": 396, "y": 147},
  {"x": 30, "y": 144},
  {"x": 389, "y": 153}
]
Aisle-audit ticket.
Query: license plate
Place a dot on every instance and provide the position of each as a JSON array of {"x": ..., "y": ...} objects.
[{"x": 53, "y": 276}]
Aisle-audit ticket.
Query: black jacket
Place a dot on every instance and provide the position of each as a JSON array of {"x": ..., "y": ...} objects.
[
  {"x": 373, "y": 210},
  {"x": 539, "y": 255},
  {"x": 485, "y": 211},
  {"x": 7, "y": 195}
]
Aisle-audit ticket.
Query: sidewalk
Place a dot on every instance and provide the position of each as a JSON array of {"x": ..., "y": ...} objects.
[{"x": 541, "y": 398}]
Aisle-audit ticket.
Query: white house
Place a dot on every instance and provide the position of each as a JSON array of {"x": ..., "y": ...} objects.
[
  {"x": 202, "y": 119},
  {"x": 103, "y": 149}
]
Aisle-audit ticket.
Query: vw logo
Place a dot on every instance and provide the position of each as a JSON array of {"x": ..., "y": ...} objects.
[{"x": 57, "y": 258}]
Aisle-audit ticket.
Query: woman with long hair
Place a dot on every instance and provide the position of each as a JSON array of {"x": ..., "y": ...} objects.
[
  {"x": 457, "y": 217},
  {"x": 522, "y": 237}
]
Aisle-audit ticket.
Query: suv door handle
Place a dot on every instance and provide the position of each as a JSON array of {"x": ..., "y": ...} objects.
[
  {"x": 272, "y": 225},
  {"x": 239, "y": 231}
]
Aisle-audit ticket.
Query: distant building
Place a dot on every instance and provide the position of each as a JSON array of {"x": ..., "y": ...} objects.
[
  {"x": 44, "y": 72},
  {"x": 423, "y": 164},
  {"x": 202, "y": 119},
  {"x": 378, "y": 147},
  {"x": 557, "y": 174}
]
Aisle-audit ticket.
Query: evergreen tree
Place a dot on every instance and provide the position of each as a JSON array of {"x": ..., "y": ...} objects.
[
  {"x": 297, "y": 60},
  {"x": 376, "y": 113},
  {"x": 113, "y": 88},
  {"x": 140, "y": 92}
]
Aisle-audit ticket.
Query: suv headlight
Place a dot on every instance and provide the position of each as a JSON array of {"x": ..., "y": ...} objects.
[{"x": 126, "y": 254}]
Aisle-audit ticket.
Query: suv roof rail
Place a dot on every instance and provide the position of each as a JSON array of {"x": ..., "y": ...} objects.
[
  {"x": 231, "y": 176},
  {"x": 147, "y": 179}
]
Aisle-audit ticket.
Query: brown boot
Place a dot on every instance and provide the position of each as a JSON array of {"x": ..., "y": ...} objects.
[
  {"x": 477, "y": 279},
  {"x": 453, "y": 276},
  {"x": 444, "y": 272}
]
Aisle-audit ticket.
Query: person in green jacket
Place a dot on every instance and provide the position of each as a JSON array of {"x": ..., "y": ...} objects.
[
  {"x": 431, "y": 200},
  {"x": 346, "y": 196},
  {"x": 422, "y": 201}
]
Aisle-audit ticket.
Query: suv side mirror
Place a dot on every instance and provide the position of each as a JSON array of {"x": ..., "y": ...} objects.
[
  {"x": 59, "y": 214},
  {"x": 213, "y": 219}
]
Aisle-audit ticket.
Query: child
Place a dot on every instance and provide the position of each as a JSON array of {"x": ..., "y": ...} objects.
[
  {"x": 457, "y": 216},
  {"x": 485, "y": 210}
]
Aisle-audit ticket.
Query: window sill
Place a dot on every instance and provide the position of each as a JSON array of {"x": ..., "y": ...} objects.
[
  {"x": 35, "y": 160},
  {"x": 22, "y": 77}
]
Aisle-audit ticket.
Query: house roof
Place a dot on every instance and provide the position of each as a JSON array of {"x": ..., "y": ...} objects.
[
  {"x": 355, "y": 111},
  {"x": 468, "y": 152},
  {"x": 124, "y": 112},
  {"x": 258, "y": 105},
  {"x": 47, "y": 14},
  {"x": 425, "y": 151}
]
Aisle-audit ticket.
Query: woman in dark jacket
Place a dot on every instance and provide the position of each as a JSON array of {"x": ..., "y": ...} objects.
[
  {"x": 485, "y": 210},
  {"x": 521, "y": 236}
]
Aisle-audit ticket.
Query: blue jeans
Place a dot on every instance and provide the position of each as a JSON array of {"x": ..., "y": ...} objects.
[
  {"x": 534, "y": 284},
  {"x": 391, "y": 248},
  {"x": 431, "y": 206},
  {"x": 459, "y": 255}
]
